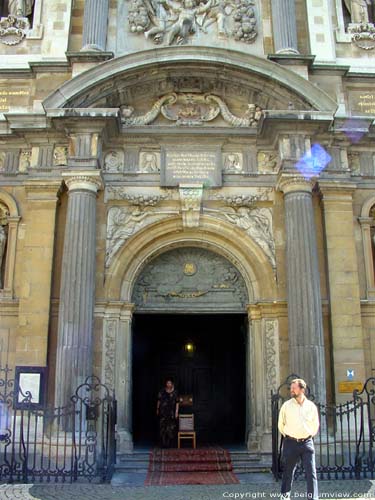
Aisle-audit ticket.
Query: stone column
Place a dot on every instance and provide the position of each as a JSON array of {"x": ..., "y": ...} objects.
[
  {"x": 95, "y": 22},
  {"x": 77, "y": 292},
  {"x": 343, "y": 281},
  {"x": 284, "y": 26},
  {"x": 123, "y": 379},
  {"x": 306, "y": 340}
]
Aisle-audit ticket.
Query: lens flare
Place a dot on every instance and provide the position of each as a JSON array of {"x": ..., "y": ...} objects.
[{"x": 313, "y": 161}]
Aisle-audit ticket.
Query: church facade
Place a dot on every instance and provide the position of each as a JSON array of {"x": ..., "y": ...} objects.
[{"x": 187, "y": 190}]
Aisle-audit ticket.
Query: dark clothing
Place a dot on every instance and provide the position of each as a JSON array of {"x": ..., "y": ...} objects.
[
  {"x": 167, "y": 418},
  {"x": 292, "y": 452}
]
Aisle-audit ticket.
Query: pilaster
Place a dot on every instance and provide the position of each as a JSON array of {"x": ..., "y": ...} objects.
[{"x": 344, "y": 290}]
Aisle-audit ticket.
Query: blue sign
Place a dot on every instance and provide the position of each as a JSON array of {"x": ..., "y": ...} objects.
[{"x": 350, "y": 374}]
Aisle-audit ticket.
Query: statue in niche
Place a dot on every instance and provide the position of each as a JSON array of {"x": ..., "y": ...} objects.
[
  {"x": 3, "y": 241},
  {"x": 20, "y": 8},
  {"x": 358, "y": 10}
]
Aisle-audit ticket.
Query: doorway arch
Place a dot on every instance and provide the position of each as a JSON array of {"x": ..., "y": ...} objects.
[{"x": 252, "y": 266}]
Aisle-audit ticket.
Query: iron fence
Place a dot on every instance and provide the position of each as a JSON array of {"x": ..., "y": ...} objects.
[
  {"x": 344, "y": 445},
  {"x": 68, "y": 443}
]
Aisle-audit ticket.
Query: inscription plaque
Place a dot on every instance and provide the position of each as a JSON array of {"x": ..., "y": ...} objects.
[
  {"x": 182, "y": 166},
  {"x": 349, "y": 386},
  {"x": 362, "y": 102},
  {"x": 15, "y": 97}
]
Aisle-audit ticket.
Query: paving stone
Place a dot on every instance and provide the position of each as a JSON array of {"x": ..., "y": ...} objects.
[{"x": 330, "y": 490}]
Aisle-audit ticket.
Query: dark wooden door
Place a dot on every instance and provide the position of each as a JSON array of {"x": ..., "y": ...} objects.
[{"x": 214, "y": 374}]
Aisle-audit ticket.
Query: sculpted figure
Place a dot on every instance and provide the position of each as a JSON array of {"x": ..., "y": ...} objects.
[
  {"x": 359, "y": 10},
  {"x": 20, "y": 8},
  {"x": 184, "y": 16},
  {"x": 3, "y": 239}
]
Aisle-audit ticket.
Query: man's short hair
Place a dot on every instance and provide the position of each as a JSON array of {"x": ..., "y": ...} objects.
[{"x": 301, "y": 383}]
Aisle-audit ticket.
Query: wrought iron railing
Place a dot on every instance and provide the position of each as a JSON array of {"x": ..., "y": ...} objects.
[
  {"x": 67, "y": 443},
  {"x": 344, "y": 444}
]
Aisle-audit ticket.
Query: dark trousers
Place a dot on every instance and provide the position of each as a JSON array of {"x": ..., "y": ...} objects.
[{"x": 292, "y": 452}]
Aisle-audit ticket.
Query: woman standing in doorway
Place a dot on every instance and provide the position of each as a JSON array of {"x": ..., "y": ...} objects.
[{"x": 167, "y": 411}]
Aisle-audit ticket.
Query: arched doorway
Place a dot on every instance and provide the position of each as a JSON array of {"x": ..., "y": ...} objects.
[{"x": 189, "y": 323}]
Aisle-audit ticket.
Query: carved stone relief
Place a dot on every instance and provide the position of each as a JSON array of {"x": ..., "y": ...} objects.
[
  {"x": 363, "y": 35},
  {"x": 271, "y": 339},
  {"x": 267, "y": 162},
  {"x": 142, "y": 200},
  {"x": 114, "y": 161},
  {"x": 233, "y": 163},
  {"x": 25, "y": 160},
  {"x": 190, "y": 278},
  {"x": 149, "y": 162},
  {"x": 123, "y": 222},
  {"x": 192, "y": 109},
  {"x": 109, "y": 347},
  {"x": 191, "y": 200},
  {"x": 60, "y": 156},
  {"x": 13, "y": 29},
  {"x": 174, "y": 22},
  {"x": 256, "y": 222}
]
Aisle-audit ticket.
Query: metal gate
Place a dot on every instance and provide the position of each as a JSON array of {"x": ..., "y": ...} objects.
[
  {"x": 57, "y": 444},
  {"x": 344, "y": 445}
]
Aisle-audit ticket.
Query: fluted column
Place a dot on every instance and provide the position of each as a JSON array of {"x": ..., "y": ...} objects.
[
  {"x": 284, "y": 26},
  {"x": 77, "y": 292},
  {"x": 95, "y": 22},
  {"x": 306, "y": 340}
]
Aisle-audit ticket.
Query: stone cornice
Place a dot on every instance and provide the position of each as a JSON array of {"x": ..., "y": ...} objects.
[
  {"x": 336, "y": 191},
  {"x": 42, "y": 190}
]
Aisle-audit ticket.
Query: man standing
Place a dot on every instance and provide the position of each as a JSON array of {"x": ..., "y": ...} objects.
[{"x": 298, "y": 423}]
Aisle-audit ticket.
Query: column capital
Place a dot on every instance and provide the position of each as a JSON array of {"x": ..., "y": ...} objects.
[
  {"x": 83, "y": 180},
  {"x": 119, "y": 309},
  {"x": 292, "y": 183},
  {"x": 365, "y": 221}
]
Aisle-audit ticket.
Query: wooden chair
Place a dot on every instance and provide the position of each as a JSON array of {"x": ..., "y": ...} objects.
[{"x": 186, "y": 429}]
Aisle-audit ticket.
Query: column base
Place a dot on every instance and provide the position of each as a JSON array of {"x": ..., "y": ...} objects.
[{"x": 124, "y": 441}]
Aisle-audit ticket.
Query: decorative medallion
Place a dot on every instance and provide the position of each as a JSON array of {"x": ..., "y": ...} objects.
[
  {"x": 13, "y": 29},
  {"x": 363, "y": 35},
  {"x": 190, "y": 269}
]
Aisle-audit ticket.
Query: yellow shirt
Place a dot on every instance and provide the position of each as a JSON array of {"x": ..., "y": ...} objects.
[{"x": 298, "y": 420}]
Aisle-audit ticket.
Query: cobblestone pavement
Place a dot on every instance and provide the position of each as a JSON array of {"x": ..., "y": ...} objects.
[{"x": 331, "y": 490}]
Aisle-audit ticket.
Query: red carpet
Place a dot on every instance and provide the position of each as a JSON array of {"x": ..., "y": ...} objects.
[{"x": 187, "y": 466}]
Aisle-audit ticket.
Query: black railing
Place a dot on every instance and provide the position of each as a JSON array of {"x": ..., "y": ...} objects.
[
  {"x": 344, "y": 444},
  {"x": 65, "y": 444}
]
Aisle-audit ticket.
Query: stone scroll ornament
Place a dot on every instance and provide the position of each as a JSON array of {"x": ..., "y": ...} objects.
[
  {"x": 173, "y": 22},
  {"x": 192, "y": 109}
]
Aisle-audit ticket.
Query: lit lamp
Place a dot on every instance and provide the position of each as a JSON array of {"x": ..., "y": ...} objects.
[{"x": 189, "y": 348}]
